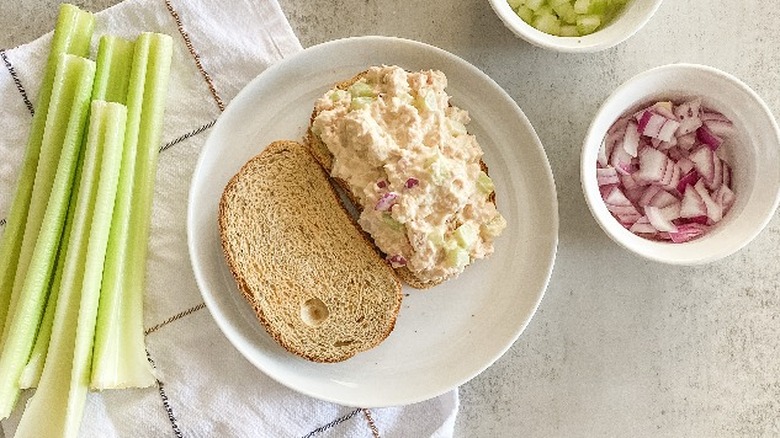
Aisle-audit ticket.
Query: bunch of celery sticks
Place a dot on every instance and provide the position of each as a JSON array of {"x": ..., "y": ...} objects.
[{"x": 73, "y": 251}]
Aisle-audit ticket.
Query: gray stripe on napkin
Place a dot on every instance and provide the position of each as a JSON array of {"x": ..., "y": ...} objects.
[
  {"x": 17, "y": 81},
  {"x": 366, "y": 414},
  {"x": 192, "y": 133},
  {"x": 186, "y": 37},
  {"x": 165, "y": 402},
  {"x": 174, "y": 318}
]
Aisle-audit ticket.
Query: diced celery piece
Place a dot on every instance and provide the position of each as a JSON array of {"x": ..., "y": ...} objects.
[
  {"x": 587, "y": 24},
  {"x": 582, "y": 6},
  {"x": 120, "y": 351},
  {"x": 388, "y": 219},
  {"x": 70, "y": 95},
  {"x": 555, "y": 3},
  {"x": 494, "y": 227},
  {"x": 72, "y": 34},
  {"x": 436, "y": 237},
  {"x": 485, "y": 183},
  {"x": 337, "y": 95},
  {"x": 359, "y": 103},
  {"x": 534, "y": 4},
  {"x": 439, "y": 169},
  {"x": 63, "y": 386},
  {"x": 597, "y": 7},
  {"x": 457, "y": 257},
  {"x": 514, "y": 4},
  {"x": 569, "y": 31},
  {"x": 456, "y": 128},
  {"x": 425, "y": 102},
  {"x": 361, "y": 89},
  {"x": 565, "y": 12},
  {"x": 544, "y": 10},
  {"x": 548, "y": 24},
  {"x": 526, "y": 14},
  {"x": 466, "y": 235}
]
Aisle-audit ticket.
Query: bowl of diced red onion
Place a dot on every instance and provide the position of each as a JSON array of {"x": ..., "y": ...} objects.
[{"x": 681, "y": 164}]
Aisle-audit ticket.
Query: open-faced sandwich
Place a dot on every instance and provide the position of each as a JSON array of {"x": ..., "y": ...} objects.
[{"x": 324, "y": 283}]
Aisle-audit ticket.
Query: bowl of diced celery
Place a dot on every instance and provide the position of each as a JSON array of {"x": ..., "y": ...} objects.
[{"x": 575, "y": 25}]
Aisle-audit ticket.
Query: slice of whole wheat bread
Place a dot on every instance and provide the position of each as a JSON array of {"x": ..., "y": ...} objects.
[
  {"x": 314, "y": 281},
  {"x": 323, "y": 156}
]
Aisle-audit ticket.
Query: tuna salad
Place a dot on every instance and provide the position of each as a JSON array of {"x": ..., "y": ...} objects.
[{"x": 405, "y": 154}]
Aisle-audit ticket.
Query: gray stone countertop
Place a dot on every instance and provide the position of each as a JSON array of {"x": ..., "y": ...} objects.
[{"x": 619, "y": 346}]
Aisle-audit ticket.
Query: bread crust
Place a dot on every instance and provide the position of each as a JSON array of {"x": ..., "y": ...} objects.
[
  {"x": 323, "y": 156},
  {"x": 247, "y": 291}
]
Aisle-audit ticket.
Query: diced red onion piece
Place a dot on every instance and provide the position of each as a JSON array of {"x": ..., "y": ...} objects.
[
  {"x": 685, "y": 165},
  {"x": 725, "y": 198},
  {"x": 704, "y": 135},
  {"x": 688, "y": 141},
  {"x": 671, "y": 211},
  {"x": 616, "y": 197},
  {"x": 686, "y": 180},
  {"x": 717, "y": 173},
  {"x": 397, "y": 261},
  {"x": 648, "y": 195},
  {"x": 411, "y": 182},
  {"x": 687, "y": 232},
  {"x": 386, "y": 201},
  {"x": 726, "y": 174},
  {"x": 666, "y": 133},
  {"x": 714, "y": 211},
  {"x": 607, "y": 176},
  {"x": 652, "y": 165},
  {"x": 631, "y": 138},
  {"x": 702, "y": 161},
  {"x": 621, "y": 160},
  {"x": 651, "y": 124},
  {"x": 710, "y": 115},
  {"x": 721, "y": 128},
  {"x": 662, "y": 199},
  {"x": 692, "y": 205},
  {"x": 658, "y": 220},
  {"x": 382, "y": 184},
  {"x": 668, "y": 174},
  {"x": 643, "y": 226}
]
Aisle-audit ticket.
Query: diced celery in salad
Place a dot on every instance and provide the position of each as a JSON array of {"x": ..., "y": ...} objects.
[{"x": 568, "y": 18}]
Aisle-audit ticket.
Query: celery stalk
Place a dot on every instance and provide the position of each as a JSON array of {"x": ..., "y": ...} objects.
[
  {"x": 32, "y": 371},
  {"x": 72, "y": 34},
  {"x": 114, "y": 60},
  {"x": 63, "y": 387},
  {"x": 112, "y": 74},
  {"x": 71, "y": 96},
  {"x": 120, "y": 352}
]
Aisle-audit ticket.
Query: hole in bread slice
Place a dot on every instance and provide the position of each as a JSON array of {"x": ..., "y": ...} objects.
[{"x": 314, "y": 312}]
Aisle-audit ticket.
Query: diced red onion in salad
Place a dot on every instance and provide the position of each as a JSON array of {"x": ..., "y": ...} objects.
[
  {"x": 397, "y": 260},
  {"x": 386, "y": 201},
  {"x": 382, "y": 184},
  {"x": 660, "y": 174},
  {"x": 411, "y": 182}
]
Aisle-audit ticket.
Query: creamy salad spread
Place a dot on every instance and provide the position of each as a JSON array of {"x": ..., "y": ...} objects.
[{"x": 407, "y": 158}]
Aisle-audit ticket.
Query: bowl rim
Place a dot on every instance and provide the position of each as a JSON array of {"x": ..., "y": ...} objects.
[
  {"x": 584, "y": 44},
  {"x": 650, "y": 249}
]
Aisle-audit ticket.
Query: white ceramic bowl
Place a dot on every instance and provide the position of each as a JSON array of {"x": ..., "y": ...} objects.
[
  {"x": 630, "y": 20},
  {"x": 754, "y": 156}
]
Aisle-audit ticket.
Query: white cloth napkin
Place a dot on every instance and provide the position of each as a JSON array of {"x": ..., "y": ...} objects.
[{"x": 206, "y": 388}]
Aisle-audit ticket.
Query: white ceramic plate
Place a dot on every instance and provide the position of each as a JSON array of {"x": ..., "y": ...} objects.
[{"x": 444, "y": 336}]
